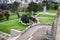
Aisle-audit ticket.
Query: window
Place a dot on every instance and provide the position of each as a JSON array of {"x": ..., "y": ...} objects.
[
  {"x": 0, "y": 1},
  {"x": 37, "y": 0},
  {"x": 21, "y": 0},
  {"x": 26, "y": 1},
  {"x": 7, "y": 0}
]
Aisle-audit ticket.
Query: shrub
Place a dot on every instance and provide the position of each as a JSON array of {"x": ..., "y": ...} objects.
[{"x": 25, "y": 18}]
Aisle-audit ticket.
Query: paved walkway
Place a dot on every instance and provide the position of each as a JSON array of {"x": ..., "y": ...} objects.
[
  {"x": 30, "y": 31},
  {"x": 47, "y": 13},
  {"x": 58, "y": 30},
  {"x": 27, "y": 34},
  {"x": 53, "y": 14}
]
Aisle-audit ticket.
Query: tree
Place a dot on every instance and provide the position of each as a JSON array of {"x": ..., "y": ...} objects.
[
  {"x": 7, "y": 15},
  {"x": 53, "y": 5},
  {"x": 14, "y": 8},
  {"x": 1, "y": 17},
  {"x": 40, "y": 6},
  {"x": 32, "y": 7}
]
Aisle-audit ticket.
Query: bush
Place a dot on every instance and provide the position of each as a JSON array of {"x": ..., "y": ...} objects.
[{"x": 25, "y": 18}]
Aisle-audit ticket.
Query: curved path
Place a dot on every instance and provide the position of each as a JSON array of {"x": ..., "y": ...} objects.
[{"x": 27, "y": 34}]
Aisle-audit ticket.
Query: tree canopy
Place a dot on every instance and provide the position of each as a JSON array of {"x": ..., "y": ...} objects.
[{"x": 32, "y": 7}]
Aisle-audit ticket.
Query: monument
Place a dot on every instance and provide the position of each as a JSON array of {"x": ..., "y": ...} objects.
[{"x": 44, "y": 9}]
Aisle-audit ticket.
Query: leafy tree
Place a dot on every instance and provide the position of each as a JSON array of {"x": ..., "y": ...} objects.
[
  {"x": 7, "y": 15},
  {"x": 53, "y": 5},
  {"x": 40, "y": 6},
  {"x": 14, "y": 8},
  {"x": 18, "y": 14},
  {"x": 32, "y": 7},
  {"x": 1, "y": 17}
]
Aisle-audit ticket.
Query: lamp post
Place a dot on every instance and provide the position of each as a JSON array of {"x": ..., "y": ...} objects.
[{"x": 58, "y": 4}]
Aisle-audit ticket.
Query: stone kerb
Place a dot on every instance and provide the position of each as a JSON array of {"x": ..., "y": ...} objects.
[
  {"x": 4, "y": 36},
  {"x": 14, "y": 33}
]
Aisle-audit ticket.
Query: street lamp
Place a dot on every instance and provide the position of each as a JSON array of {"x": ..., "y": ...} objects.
[
  {"x": 58, "y": 4},
  {"x": 58, "y": 8}
]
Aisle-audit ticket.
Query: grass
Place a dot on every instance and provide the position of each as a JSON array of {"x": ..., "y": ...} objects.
[
  {"x": 46, "y": 20},
  {"x": 7, "y": 26},
  {"x": 13, "y": 16},
  {"x": 52, "y": 11},
  {"x": 46, "y": 15}
]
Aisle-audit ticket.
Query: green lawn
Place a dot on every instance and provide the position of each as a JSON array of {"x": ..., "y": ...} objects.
[
  {"x": 5, "y": 27},
  {"x": 46, "y": 20},
  {"x": 13, "y": 16},
  {"x": 46, "y": 15},
  {"x": 52, "y": 11}
]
